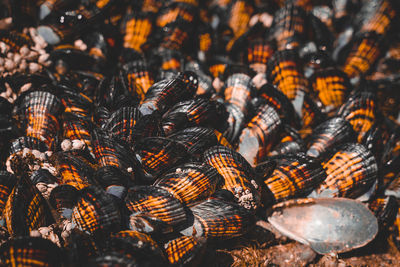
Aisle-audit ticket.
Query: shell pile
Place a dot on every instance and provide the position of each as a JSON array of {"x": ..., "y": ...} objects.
[{"x": 142, "y": 133}]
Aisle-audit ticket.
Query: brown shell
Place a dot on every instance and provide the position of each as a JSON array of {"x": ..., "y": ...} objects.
[
  {"x": 239, "y": 89},
  {"x": 139, "y": 77},
  {"x": 385, "y": 210},
  {"x": 63, "y": 198},
  {"x": 174, "y": 11},
  {"x": 7, "y": 183},
  {"x": 376, "y": 16},
  {"x": 76, "y": 103},
  {"x": 77, "y": 128},
  {"x": 184, "y": 250},
  {"x": 136, "y": 28},
  {"x": 311, "y": 113}
]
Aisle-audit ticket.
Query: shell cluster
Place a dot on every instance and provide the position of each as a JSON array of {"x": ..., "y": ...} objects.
[{"x": 139, "y": 133}]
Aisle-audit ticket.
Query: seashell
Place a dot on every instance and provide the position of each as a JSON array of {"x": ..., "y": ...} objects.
[
  {"x": 113, "y": 180},
  {"x": 139, "y": 76},
  {"x": 136, "y": 28},
  {"x": 259, "y": 52},
  {"x": 156, "y": 202},
  {"x": 294, "y": 176},
  {"x": 311, "y": 113},
  {"x": 360, "y": 111},
  {"x": 316, "y": 61},
  {"x": 43, "y": 176},
  {"x": 171, "y": 62},
  {"x": 190, "y": 182},
  {"x": 288, "y": 27},
  {"x": 67, "y": 57},
  {"x": 332, "y": 86},
  {"x": 393, "y": 189},
  {"x": 166, "y": 93},
  {"x": 63, "y": 198},
  {"x": 237, "y": 173},
  {"x": 375, "y": 141},
  {"x": 148, "y": 126},
  {"x": 236, "y": 120},
  {"x": 222, "y": 140},
  {"x": 174, "y": 10},
  {"x": 239, "y": 89},
  {"x": 205, "y": 80},
  {"x": 196, "y": 139},
  {"x": 184, "y": 250},
  {"x": 77, "y": 128},
  {"x": 283, "y": 71},
  {"x": 290, "y": 143},
  {"x": 31, "y": 251},
  {"x": 95, "y": 211},
  {"x": 260, "y": 134},
  {"x": 385, "y": 210},
  {"x": 76, "y": 103},
  {"x": 15, "y": 40},
  {"x": 176, "y": 35},
  {"x": 157, "y": 154},
  {"x": 40, "y": 110},
  {"x": 81, "y": 246},
  {"x": 7, "y": 183},
  {"x": 328, "y": 135},
  {"x": 26, "y": 209},
  {"x": 219, "y": 219},
  {"x": 351, "y": 172},
  {"x": 196, "y": 112}
]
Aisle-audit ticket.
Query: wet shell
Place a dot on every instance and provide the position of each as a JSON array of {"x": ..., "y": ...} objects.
[
  {"x": 30, "y": 251},
  {"x": 258, "y": 54},
  {"x": 191, "y": 182},
  {"x": 376, "y": 16},
  {"x": 294, "y": 176},
  {"x": 26, "y": 209},
  {"x": 176, "y": 35},
  {"x": 215, "y": 218},
  {"x": 76, "y": 103},
  {"x": 139, "y": 75},
  {"x": 156, "y": 202},
  {"x": 290, "y": 143},
  {"x": 184, "y": 250},
  {"x": 110, "y": 176},
  {"x": 158, "y": 154},
  {"x": 30, "y": 143},
  {"x": 63, "y": 198},
  {"x": 260, "y": 134},
  {"x": 385, "y": 210},
  {"x": 360, "y": 111},
  {"x": 311, "y": 113},
  {"x": 283, "y": 71},
  {"x": 7, "y": 183},
  {"x": 329, "y": 135},
  {"x": 96, "y": 211},
  {"x": 136, "y": 28},
  {"x": 77, "y": 128},
  {"x": 351, "y": 172},
  {"x": 236, "y": 120},
  {"x": 174, "y": 10},
  {"x": 237, "y": 173},
  {"x": 239, "y": 89}
]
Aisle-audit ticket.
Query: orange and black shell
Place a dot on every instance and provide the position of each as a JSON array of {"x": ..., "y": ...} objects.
[
  {"x": 158, "y": 154},
  {"x": 32, "y": 143},
  {"x": 216, "y": 218},
  {"x": 148, "y": 126},
  {"x": 31, "y": 251},
  {"x": 289, "y": 27},
  {"x": 136, "y": 245},
  {"x": 258, "y": 53},
  {"x": 184, "y": 250},
  {"x": 7, "y": 183},
  {"x": 284, "y": 71},
  {"x": 164, "y": 94},
  {"x": 393, "y": 189},
  {"x": 260, "y": 134},
  {"x": 139, "y": 77},
  {"x": 40, "y": 110},
  {"x": 376, "y": 16},
  {"x": 328, "y": 135},
  {"x": 236, "y": 121},
  {"x": 351, "y": 172},
  {"x": 15, "y": 40},
  {"x": 77, "y": 103},
  {"x": 191, "y": 182},
  {"x": 360, "y": 110},
  {"x": 305, "y": 4},
  {"x": 176, "y": 10},
  {"x": 332, "y": 87},
  {"x": 366, "y": 49},
  {"x": 217, "y": 69},
  {"x": 222, "y": 141},
  {"x": 239, "y": 90},
  {"x": 95, "y": 211},
  {"x": 195, "y": 112},
  {"x": 73, "y": 58},
  {"x": 295, "y": 176},
  {"x": 156, "y": 202},
  {"x": 170, "y": 61},
  {"x": 121, "y": 124},
  {"x": 77, "y": 128},
  {"x": 311, "y": 113},
  {"x": 136, "y": 28},
  {"x": 113, "y": 180},
  {"x": 26, "y": 209},
  {"x": 63, "y": 197},
  {"x": 196, "y": 139},
  {"x": 176, "y": 35},
  {"x": 237, "y": 173},
  {"x": 385, "y": 210}
]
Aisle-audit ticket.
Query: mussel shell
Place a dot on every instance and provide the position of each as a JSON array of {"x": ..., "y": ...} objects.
[
  {"x": 385, "y": 210},
  {"x": 311, "y": 113},
  {"x": 328, "y": 135},
  {"x": 191, "y": 182},
  {"x": 290, "y": 143},
  {"x": 393, "y": 188},
  {"x": 112, "y": 176},
  {"x": 27, "y": 142},
  {"x": 219, "y": 219},
  {"x": 136, "y": 28},
  {"x": 156, "y": 202},
  {"x": 236, "y": 121},
  {"x": 26, "y": 209},
  {"x": 176, "y": 35},
  {"x": 7, "y": 183},
  {"x": 351, "y": 172},
  {"x": 30, "y": 251},
  {"x": 96, "y": 211},
  {"x": 76, "y": 103},
  {"x": 376, "y": 16},
  {"x": 237, "y": 173},
  {"x": 295, "y": 175},
  {"x": 173, "y": 10},
  {"x": 260, "y": 134},
  {"x": 139, "y": 76},
  {"x": 239, "y": 90},
  {"x": 184, "y": 250},
  {"x": 77, "y": 128},
  {"x": 43, "y": 176},
  {"x": 63, "y": 198}
]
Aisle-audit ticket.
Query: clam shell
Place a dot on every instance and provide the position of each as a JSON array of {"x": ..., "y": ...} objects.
[{"x": 184, "y": 250}]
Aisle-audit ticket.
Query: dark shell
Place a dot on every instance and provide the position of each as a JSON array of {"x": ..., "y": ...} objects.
[
  {"x": 236, "y": 121},
  {"x": 76, "y": 103},
  {"x": 81, "y": 246},
  {"x": 139, "y": 76},
  {"x": 171, "y": 62},
  {"x": 196, "y": 139},
  {"x": 43, "y": 176},
  {"x": 148, "y": 126},
  {"x": 77, "y": 128},
  {"x": 329, "y": 135},
  {"x": 63, "y": 198},
  {"x": 173, "y": 10},
  {"x": 385, "y": 210},
  {"x": 195, "y": 112},
  {"x": 283, "y": 71},
  {"x": 27, "y": 142},
  {"x": 239, "y": 89},
  {"x": 260, "y": 134},
  {"x": 96, "y": 211},
  {"x": 237, "y": 173},
  {"x": 205, "y": 80},
  {"x": 30, "y": 251},
  {"x": 290, "y": 143},
  {"x": 110, "y": 259},
  {"x": 295, "y": 176},
  {"x": 191, "y": 182},
  {"x": 184, "y": 250},
  {"x": 176, "y": 35},
  {"x": 136, "y": 28},
  {"x": 222, "y": 141},
  {"x": 26, "y": 209},
  {"x": 158, "y": 154},
  {"x": 156, "y": 202},
  {"x": 393, "y": 188},
  {"x": 360, "y": 111},
  {"x": 112, "y": 176},
  {"x": 311, "y": 113},
  {"x": 215, "y": 218},
  {"x": 351, "y": 172},
  {"x": 7, "y": 183}
]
